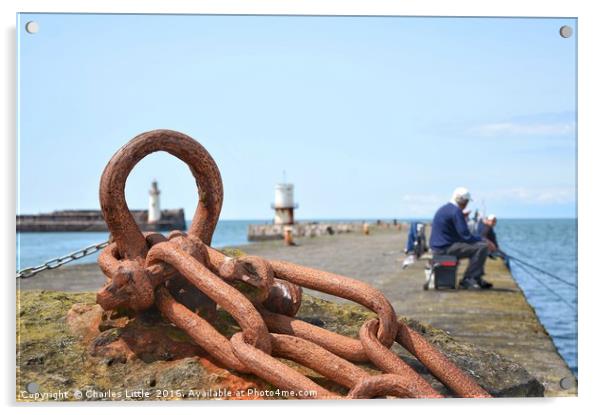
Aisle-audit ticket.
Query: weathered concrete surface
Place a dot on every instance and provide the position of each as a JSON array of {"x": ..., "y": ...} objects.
[
  {"x": 66, "y": 343},
  {"x": 72, "y": 278},
  {"x": 499, "y": 320}
]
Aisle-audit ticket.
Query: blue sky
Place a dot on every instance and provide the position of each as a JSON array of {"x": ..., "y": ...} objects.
[{"x": 371, "y": 117}]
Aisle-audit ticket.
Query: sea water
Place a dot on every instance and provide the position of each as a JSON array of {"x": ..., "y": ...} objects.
[
  {"x": 35, "y": 248},
  {"x": 550, "y": 244}
]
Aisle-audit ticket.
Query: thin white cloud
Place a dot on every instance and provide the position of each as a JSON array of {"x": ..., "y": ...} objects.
[
  {"x": 546, "y": 196},
  {"x": 425, "y": 204},
  {"x": 525, "y": 129}
]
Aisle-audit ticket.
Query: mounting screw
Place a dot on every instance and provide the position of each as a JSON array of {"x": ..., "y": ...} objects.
[
  {"x": 566, "y": 31},
  {"x": 32, "y": 27},
  {"x": 568, "y": 382},
  {"x": 32, "y": 387}
]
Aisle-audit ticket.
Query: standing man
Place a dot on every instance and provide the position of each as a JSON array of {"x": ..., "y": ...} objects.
[{"x": 450, "y": 236}]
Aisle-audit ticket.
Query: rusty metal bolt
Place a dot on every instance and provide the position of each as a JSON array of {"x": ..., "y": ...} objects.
[
  {"x": 251, "y": 270},
  {"x": 129, "y": 286}
]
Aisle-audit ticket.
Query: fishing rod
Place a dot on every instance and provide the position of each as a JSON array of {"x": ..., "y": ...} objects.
[
  {"x": 547, "y": 287},
  {"x": 543, "y": 271}
]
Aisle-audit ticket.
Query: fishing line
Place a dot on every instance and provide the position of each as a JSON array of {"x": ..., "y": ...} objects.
[
  {"x": 543, "y": 271},
  {"x": 547, "y": 287},
  {"x": 516, "y": 251}
]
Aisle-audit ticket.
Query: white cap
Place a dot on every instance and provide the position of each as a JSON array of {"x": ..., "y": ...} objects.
[
  {"x": 461, "y": 194},
  {"x": 491, "y": 217}
]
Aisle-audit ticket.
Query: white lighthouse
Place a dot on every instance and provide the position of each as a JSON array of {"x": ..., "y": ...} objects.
[
  {"x": 284, "y": 204},
  {"x": 154, "y": 207}
]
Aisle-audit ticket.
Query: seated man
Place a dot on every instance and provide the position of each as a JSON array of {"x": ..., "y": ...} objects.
[
  {"x": 416, "y": 242},
  {"x": 450, "y": 236}
]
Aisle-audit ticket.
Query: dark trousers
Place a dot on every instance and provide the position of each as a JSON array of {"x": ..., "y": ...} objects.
[{"x": 477, "y": 253}]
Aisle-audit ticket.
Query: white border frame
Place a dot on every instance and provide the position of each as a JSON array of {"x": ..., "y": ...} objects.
[{"x": 589, "y": 92}]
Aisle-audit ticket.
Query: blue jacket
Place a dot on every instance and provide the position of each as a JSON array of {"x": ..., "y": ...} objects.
[{"x": 449, "y": 226}]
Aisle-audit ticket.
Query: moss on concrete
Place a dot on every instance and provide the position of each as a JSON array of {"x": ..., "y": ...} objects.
[{"x": 50, "y": 355}]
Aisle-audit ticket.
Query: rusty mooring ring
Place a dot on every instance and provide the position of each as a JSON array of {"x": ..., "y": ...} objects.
[
  {"x": 141, "y": 276},
  {"x": 124, "y": 230}
]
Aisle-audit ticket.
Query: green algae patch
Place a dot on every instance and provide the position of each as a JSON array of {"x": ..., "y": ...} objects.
[
  {"x": 50, "y": 356},
  {"x": 46, "y": 350},
  {"x": 232, "y": 252},
  {"x": 343, "y": 319}
]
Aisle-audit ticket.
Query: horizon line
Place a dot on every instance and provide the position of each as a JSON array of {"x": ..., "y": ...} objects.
[
  {"x": 391, "y": 218},
  {"x": 354, "y": 218}
]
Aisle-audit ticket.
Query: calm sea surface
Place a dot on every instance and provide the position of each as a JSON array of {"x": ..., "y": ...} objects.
[
  {"x": 34, "y": 248},
  {"x": 550, "y": 244}
]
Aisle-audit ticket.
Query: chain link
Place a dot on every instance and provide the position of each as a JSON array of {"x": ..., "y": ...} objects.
[
  {"x": 170, "y": 272},
  {"x": 62, "y": 260}
]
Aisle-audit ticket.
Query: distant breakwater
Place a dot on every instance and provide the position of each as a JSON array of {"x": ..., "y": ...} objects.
[
  {"x": 269, "y": 232},
  {"x": 93, "y": 221}
]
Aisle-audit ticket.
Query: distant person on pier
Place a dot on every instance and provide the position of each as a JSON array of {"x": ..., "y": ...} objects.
[
  {"x": 466, "y": 213},
  {"x": 416, "y": 242},
  {"x": 485, "y": 230},
  {"x": 473, "y": 221},
  {"x": 450, "y": 236}
]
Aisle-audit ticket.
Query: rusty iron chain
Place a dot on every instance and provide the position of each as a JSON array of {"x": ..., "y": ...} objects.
[
  {"x": 62, "y": 260},
  {"x": 186, "y": 279}
]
